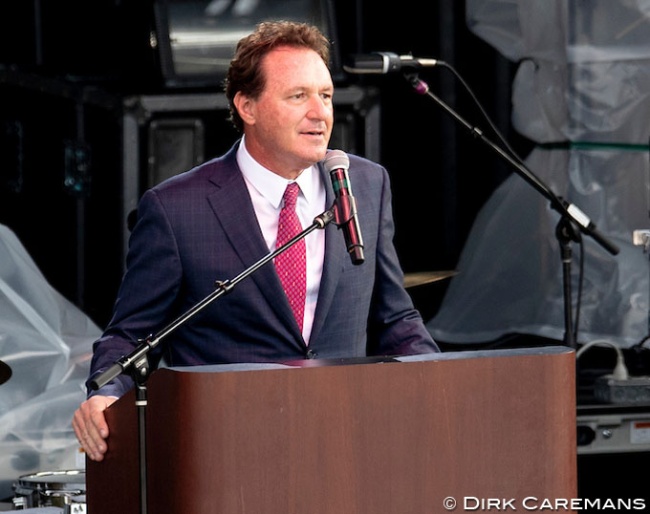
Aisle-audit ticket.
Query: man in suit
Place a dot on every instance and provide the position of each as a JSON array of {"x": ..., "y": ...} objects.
[{"x": 215, "y": 221}]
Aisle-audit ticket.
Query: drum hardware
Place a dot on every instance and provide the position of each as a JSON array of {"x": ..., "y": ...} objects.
[
  {"x": 425, "y": 277},
  {"x": 65, "y": 489}
]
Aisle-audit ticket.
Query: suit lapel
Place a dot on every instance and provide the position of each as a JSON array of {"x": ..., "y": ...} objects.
[{"x": 232, "y": 205}]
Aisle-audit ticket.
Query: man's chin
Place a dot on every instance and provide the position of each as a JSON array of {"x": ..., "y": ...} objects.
[{"x": 316, "y": 155}]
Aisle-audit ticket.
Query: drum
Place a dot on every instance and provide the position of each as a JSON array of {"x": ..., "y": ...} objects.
[{"x": 66, "y": 489}]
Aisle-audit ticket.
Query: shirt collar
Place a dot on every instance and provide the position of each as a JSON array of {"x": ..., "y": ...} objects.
[{"x": 271, "y": 185}]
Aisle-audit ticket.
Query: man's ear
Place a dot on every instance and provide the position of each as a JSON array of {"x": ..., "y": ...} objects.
[{"x": 245, "y": 108}]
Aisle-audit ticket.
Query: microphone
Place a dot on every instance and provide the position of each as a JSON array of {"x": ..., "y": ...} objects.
[
  {"x": 337, "y": 163},
  {"x": 385, "y": 62}
]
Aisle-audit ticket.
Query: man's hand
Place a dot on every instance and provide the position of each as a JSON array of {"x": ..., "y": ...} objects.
[{"x": 90, "y": 425}]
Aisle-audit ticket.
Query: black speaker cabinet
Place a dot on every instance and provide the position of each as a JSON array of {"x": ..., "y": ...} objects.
[
  {"x": 75, "y": 159},
  {"x": 166, "y": 134},
  {"x": 60, "y": 160}
]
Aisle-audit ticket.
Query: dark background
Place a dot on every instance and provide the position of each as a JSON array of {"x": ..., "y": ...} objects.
[{"x": 67, "y": 65}]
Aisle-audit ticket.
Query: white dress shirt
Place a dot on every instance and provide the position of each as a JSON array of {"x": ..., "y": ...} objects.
[{"x": 266, "y": 190}]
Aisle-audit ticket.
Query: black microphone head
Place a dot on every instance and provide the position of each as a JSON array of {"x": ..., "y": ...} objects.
[
  {"x": 336, "y": 159},
  {"x": 385, "y": 62},
  {"x": 377, "y": 62}
]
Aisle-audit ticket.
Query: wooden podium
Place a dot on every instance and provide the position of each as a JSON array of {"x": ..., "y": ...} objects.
[{"x": 409, "y": 436}]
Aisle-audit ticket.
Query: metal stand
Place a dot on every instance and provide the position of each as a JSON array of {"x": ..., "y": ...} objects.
[
  {"x": 566, "y": 233},
  {"x": 140, "y": 375},
  {"x": 573, "y": 221},
  {"x": 642, "y": 238}
]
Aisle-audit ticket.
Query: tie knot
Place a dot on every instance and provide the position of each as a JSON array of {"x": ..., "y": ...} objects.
[{"x": 291, "y": 195}]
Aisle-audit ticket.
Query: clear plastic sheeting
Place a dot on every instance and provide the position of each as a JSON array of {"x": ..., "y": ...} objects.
[
  {"x": 47, "y": 342},
  {"x": 582, "y": 92}
]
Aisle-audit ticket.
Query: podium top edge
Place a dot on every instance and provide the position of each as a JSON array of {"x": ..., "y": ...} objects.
[{"x": 442, "y": 356}]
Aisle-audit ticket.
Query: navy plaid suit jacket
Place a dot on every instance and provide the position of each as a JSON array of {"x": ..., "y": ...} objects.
[{"x": 199, "y": 227}]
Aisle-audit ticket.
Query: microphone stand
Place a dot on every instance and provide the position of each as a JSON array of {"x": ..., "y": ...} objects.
[
  {"x": 137, "y": 363},
  {"x": 572, "y": 221}
]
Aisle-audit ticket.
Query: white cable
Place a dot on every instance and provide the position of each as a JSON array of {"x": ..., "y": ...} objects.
[{"x": 620, "y": 370}]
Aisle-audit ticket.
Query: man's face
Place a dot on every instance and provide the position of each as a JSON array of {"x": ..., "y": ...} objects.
[{"x": 289, "y": 126}]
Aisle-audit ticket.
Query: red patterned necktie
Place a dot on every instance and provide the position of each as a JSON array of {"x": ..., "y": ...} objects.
[{"x": 291, "y": 264}]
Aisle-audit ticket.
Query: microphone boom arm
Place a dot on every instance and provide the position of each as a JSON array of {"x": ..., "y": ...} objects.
[
  {"x": 564, "y": 208},
  {"x": 137, "y": 359},
  {"x": 572, "y": 219}
]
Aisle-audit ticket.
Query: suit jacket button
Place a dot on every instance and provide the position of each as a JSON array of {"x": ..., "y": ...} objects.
[{"x": 311, "y": 354}]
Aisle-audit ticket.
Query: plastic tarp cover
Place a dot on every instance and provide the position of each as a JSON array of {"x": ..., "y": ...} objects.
[
  {"x": 47, "y": 343},
  {"x": 582, "y": 93}
]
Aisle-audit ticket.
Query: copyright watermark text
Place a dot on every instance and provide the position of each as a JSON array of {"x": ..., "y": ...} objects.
[{"x": 535, "y": 504}]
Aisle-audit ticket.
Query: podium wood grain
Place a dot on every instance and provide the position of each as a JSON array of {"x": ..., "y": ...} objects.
[{"x": 393, "y": 437}]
